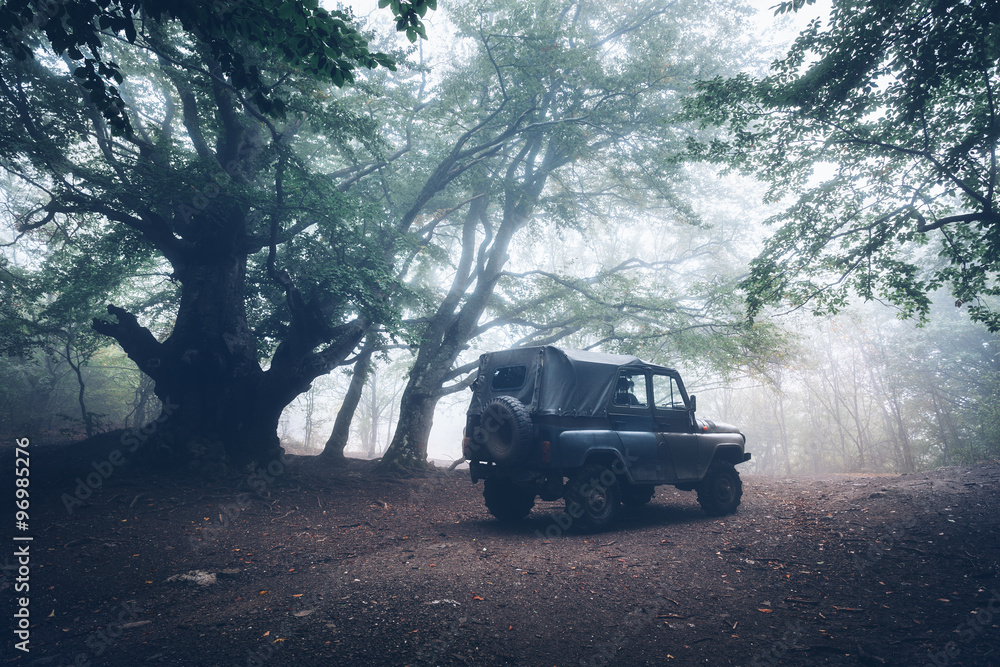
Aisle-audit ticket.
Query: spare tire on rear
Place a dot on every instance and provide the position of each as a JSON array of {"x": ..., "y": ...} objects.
[{"x": 504, "y": 429}]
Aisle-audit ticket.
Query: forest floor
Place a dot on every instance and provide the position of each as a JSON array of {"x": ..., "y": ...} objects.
[{"x": 318, "y": 565}]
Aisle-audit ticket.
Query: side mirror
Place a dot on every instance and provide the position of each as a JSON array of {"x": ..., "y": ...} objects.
[{"x": 694, "y": 402}]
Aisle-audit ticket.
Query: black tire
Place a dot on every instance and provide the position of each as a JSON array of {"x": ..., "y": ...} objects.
[
  {"x": 720, "y": 491},
  {"x": 593, "y": 497},
  {"x": 637, "y": 495},
  {"x": 505, "y": 500},
  {"x": 504, "y": 430}
]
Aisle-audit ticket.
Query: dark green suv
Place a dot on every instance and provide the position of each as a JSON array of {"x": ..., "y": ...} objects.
[{"x": 599, "y": 430}]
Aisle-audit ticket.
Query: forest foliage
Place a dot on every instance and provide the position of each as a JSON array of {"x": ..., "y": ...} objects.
[
  {"x": 267, "y": 219},
  {"x": 879, "y": 131}
]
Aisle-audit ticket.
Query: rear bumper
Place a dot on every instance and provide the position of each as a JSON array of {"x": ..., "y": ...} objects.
[{"x": 523, "y": 474}]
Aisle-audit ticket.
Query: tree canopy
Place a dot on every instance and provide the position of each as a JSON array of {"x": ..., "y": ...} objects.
[
  {"x": 881, "y": 124},
  {"x": 262, "y": 255},
  {"x": 558, "y": 114},
  {"x": 324, "y": 44}
]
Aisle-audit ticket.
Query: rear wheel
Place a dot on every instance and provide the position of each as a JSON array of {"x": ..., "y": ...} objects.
[
  {"x": 505, "y": 500},
  {"x": 719, "y": 493},
  {"x": 593, "y": 497}
]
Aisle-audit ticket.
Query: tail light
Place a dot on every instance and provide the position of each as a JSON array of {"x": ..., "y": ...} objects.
[
  {"x": 546, "y": 452},
  {"x": 466, "y": 446}
]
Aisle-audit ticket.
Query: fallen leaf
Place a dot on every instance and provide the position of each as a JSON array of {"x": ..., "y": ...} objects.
[{"x": 766, "y": 611}]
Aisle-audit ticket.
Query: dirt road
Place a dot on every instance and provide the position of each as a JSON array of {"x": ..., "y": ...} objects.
[{"x": 306, "y": 565}]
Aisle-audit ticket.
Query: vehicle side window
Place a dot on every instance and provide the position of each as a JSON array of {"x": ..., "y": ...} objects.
[
  {"x": 666, "y": 394},
  {"x": 630, "y": 390},
  {"x": 509, "y": 378}
]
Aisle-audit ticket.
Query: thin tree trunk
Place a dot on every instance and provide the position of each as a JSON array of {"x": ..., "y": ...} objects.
[
  {"x": 783, "y": 428},
  {"x": 374, "y": 414},
  {"x": 938, "y": 412},
  {"x": 339, "y": 437},
  {"x": 88, "y": 423},
  {"x": 456, "y": 319},
  {"x": 310, "y": 410}
]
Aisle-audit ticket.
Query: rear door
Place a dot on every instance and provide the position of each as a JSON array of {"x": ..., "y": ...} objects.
[
  {"x": 632, "y": 419},
  {"x": 677, "y": 444}
]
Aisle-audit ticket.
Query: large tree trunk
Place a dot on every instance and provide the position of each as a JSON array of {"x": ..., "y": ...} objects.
[
  {"x": 456, "y": 321},
  {"x": 218, "y": 403},
  {"x": 337, "y": 442},
  {"x": 215, "y": 400},
  {"x": 408, "y": 448}
]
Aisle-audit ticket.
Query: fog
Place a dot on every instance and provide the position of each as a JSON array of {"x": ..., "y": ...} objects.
[{"x": 606, "y": 261}]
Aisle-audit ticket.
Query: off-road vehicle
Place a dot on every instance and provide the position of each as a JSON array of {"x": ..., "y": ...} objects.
[{"x": 599, "y": 430}]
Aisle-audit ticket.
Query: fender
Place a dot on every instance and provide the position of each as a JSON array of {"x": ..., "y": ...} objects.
[
  {"x": 730, "y": 451},
  {"x": 575, "y": 448}
]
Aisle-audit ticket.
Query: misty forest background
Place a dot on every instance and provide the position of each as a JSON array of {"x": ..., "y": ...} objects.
[{"x": 629, "y": 177}]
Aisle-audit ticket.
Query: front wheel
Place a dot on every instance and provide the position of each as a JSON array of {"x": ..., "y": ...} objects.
[
  {"x": 593, "y": 497},
  {"x": 719, "y": 493},
  {"x": 505, "y": 500}
]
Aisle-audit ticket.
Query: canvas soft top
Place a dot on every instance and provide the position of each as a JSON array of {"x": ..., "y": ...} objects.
[{"x": 554, "y": 381}]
